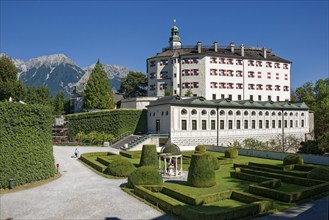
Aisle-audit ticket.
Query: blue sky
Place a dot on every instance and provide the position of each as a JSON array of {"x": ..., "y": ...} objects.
[{"x": 128, "y": 32}]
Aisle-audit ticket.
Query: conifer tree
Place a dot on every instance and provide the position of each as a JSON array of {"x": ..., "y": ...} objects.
[{"x": 98, "y": 92}]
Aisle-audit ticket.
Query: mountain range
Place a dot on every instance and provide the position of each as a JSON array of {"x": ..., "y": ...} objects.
[{"x": 59, "y": 73}]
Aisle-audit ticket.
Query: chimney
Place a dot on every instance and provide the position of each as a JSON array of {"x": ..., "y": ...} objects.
[
  {"x": 216, "y": 46},
  {"x": 232, "y": 46},
  {"x": 242, "y": 50},
  {"x": 264, "y": 52},
  {"x": 199, "y": 46}
]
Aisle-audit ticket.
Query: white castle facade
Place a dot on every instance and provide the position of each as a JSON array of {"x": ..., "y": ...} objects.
[
  {"x": 217, "y": 72},
  {"x": 237, "y": 93}
]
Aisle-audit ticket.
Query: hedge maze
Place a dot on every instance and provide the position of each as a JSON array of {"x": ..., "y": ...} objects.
[{"x": 242, "y": 190}]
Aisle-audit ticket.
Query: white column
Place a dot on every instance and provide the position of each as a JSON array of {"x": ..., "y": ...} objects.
[{"x": 176, "y": 166}]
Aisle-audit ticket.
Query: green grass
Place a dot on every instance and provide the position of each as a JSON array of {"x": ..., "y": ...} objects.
[{"x": 225, "y": 182}]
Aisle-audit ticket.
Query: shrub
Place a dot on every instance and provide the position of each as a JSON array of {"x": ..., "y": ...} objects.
[
  {"x": 214, "y": 163},
  {"x": 319, "y": 173},
  {"x": 149, "y": 156},
  {"x": 293, "y": 159},
  {"x": 79, "y": 137},
  {"x": 172, "y": 148},
  {"x": 131, "y": 154},
  {"x": 114, "y": 122},
  {"x": 120, "y": 167},
  {"x": 145, "y": 175},
  {"x": 310, "y": 147},
  {"x": 200, "y": 149},
  {"x": 231, "y": 152},
  {"x": 201, "y": 172},
  {"x": 25, "y": 143}
]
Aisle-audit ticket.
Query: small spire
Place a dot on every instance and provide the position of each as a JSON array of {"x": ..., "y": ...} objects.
[{"x": 174, "y": 21}]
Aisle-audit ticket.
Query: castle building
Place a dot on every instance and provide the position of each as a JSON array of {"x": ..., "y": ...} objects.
[
  {"x": 189, "y": 121},
  {"x": 217, "y": 72}
]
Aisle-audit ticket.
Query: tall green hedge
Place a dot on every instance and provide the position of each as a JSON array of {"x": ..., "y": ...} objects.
[
  {"x": 201, "y": 172},
  {"x": 114, "y": 122},
  {"x": 149, "y": 156},
  {"x": 26, "y": 153}
]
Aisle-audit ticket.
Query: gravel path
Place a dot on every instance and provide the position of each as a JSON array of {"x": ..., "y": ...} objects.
[{"x": 78, "y": 194}]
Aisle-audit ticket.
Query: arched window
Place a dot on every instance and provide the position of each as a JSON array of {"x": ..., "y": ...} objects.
[
  {"x": 150, "y": 114},
  {"x": 260, "y": 113},
  {"x": 203, "y": 112},
  {"x": 193, "y": 112},
  {"x": 285, "y": 114},
  {"x": 230, "y": 112},
  {"x": 212, "y": 112},
  {"x": 279, "y": 114},
  {"x": 222, "y": 112},
  {"x": 245, "y": 113},
  {"x": 290, "y": 114},
  {"x": 184, "y": 111},
  {"x": 162, "y": 113},
  {"x": 302, "y": 114},
  {"x": 267, "y": 113},
  {"x": 253, "y": 113},
  {"x": 273, "y": 113},
  {"x": 238, "y": 113}
]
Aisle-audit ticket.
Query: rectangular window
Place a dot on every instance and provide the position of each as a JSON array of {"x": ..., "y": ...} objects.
[
  {"x": 296, "y": 124},
  {"x": 302, "y": 123},
  {"x": 260, "y": 124},
  {"x": 230, "y": 124},
  {"x": 279, "y": 125},
  {"x": 222, "y": 96},
  {"x": 184, "y": 125},
  {"x": 230, "y": 97},
  {"x": 285, "y": 123},
  {"x": 253, "y": 124},
  {"x": 213, "y": 96},
  {"x": 269, "y": 98},
  {"x": 213, "y": 124},
  {"x": 267, "y": 123},
  {"x": 251, "y": 97},
  {"x": 221, "y": 124},
  {"x": 273, "y": 123},
  {"x": 204, "y": 125},
  {"x": 239, "y": 97},
  {"x": 238, "y": 124},
  {"x": 194, "y": 124},
  {"x": 291, "y": 123},
  {"x": 245, "y": 124},
  {"x": 277, "y": 98},
  {"x": 259, "y": 98}
]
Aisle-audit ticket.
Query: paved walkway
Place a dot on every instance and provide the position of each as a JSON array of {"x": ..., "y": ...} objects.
[{"x": 78, "y": 194}]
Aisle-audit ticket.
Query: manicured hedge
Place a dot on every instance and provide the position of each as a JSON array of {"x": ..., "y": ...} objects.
[
  {"x": 271, "y": 166},
  {"x": 223, "y": 160},
  {"x": 271, "y": 193},
  {"x": 144, "y": 175},
  {"x": 106, "y": 160},
  {"x": 231, "y": 152},
  {"x": 319, "y": 173},
  {"x": 114, "y": 122},
  {"x": 254, "y": 178},
  {"x": 149, "y": 156},
  {"x": 120, "y": 167},
  {"x": 290, "y": 173},
  {"x": 201, "y": 172},
  {"x": 284, "y": 178},
  {"x": 200, "y": 149},
  {"x": 94, "y": 164},
  {"x": 293, "y": 159},
  {"x": 131, "y": 154},
  {"x": 25, "y": 143}
]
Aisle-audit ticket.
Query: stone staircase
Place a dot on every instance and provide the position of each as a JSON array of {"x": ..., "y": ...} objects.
[{"x": 126, "y": 140}]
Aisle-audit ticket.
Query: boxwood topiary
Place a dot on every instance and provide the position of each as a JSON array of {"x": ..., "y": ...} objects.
[
  {"x": 149, "y": 156},
  {"x": 319, "y": 173},
  {"x": 231, "y": 152},
  {"x": 120, "y": 167},
  {"x": 293, "y": 159},
  {"x": 200, "y": 149},
  {"x": 145, "y": 175},
  {"x": 214, "y": 163},
  {"x": 201, "y": 172}
]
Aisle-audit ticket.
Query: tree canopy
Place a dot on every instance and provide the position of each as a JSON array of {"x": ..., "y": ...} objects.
[
  {"x": 10, "y": 86},
  {"x": 98, "y": 92},
  {"x": 316, "y": 96},
  {"x": 135, "y": 84}
]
